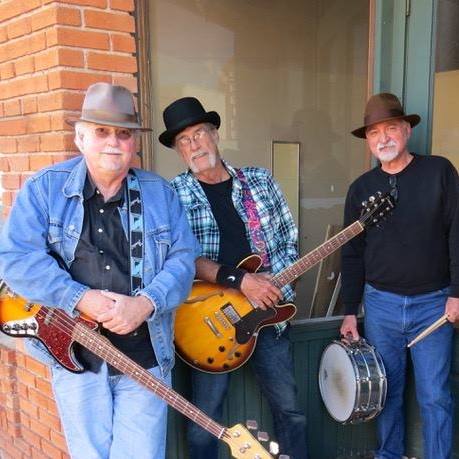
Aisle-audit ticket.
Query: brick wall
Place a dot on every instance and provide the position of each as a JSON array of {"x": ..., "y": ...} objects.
[{"x": 50, "y": 52}]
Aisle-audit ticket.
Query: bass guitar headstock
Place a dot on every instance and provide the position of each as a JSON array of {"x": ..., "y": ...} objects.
[
  {"x": 244, "y": 445},
  {"x": 376, "y": 209}
]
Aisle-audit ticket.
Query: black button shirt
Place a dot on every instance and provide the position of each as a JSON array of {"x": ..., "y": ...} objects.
[{"x": 102, "y": 262}]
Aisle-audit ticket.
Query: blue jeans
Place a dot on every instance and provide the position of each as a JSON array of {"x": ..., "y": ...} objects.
[
  {"x": 273, "y": 366},
  {"x": 110, "y": 417},
  {"x": 391, "y": 322}
]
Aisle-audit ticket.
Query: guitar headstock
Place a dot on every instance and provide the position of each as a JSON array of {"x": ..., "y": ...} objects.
[
  {"x": 376, "y": 209},
  {"x": 244, "y": 445}
]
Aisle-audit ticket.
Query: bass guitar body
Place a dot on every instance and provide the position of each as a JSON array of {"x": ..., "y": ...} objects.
[
  {"x": 216, "y": 329},
  {"x": 28, "y": 320}
]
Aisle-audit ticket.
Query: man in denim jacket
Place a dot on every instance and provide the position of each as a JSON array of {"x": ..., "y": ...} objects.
[{"x": 67, "y": 245}]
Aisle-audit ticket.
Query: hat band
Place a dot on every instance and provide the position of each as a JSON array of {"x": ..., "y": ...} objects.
[{"x": 104, "y": 115}]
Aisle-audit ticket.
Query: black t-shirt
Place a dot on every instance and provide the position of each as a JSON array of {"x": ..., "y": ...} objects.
[
  {"x": 102, "y": 262},
  {"x": 234, "y": 245},
  {"x": 416, "y": 250}
]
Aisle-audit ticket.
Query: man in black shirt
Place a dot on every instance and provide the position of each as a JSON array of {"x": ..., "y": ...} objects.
[{"x": 406, "y": 274}]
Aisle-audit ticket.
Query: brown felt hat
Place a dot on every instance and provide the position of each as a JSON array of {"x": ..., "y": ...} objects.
[
  {"x": 108, "y": 105},
  {"x": 383, "y": 107}
]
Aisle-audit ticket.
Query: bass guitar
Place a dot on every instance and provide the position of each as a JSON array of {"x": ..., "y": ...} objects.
[
  {"x": 58, "y": 332},
  {"x": 216, "y": 328}
]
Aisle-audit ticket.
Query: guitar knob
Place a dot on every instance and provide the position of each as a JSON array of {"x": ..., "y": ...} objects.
[{"x": 273, "y": 447}]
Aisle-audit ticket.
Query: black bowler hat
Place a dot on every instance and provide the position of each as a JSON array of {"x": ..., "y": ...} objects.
[{"x": 183, "y": 113}]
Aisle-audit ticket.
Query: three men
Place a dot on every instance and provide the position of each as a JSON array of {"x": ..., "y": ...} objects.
[
  {"x": 233, "y": 213},
  {"x": 94, "y": 236},
  {"x": 406, "y": 273}
]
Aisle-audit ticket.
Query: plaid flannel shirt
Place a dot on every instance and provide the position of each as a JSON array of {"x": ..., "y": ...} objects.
[{"x": 279, "y": 230}]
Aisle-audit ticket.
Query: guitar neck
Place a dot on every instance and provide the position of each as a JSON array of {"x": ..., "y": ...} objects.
[
  {"x": 315, "y": 256},
  {"x": 101, "y": 347}
]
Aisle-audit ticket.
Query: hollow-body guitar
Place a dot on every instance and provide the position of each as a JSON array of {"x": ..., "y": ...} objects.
[{"x": 216, "y": 328}]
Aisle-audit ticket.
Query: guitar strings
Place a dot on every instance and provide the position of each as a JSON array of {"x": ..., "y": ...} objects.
[{"x": 67, "y": 325}]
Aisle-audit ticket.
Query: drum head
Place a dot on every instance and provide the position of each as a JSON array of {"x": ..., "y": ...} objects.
[{"x": 337, "y": 382}]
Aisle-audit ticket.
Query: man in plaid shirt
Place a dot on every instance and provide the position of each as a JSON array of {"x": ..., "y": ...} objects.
[{"x": 217, "y": 199}]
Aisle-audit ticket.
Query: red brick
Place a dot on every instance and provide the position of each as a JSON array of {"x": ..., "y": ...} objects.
[
  {"x": 4, "y": 164},
  {"x": 56, "y": 142},
  {"x": 12, "y": 107},
  {"x": 109, "y": 21},
  {"x": 38, "y": 454},
  {"x": 8, "y": 145},
  {"x": 18, "y": 163},
  {"x": 28, "y": 144},
  {"x": 7, "y": 71},
  {"x": 8, "y": 198},
  {"x": 10, "y": 9},
  {"x": 58, "y": 122},
  {"x": 59, "y": 56},
  {"x": 24, "y": 177},
  {"x": 18, "y": 28},
  {"x": 59, "y": 441},
  {"x": 23, "y": 389},
  {"x": 12, "y": 127},
  {"x": 78, "y": 38},
  {"x": 11, "y": 181},
  {"x": 67, "y": 100},
  {"x": 49, "y": 420},
  {"x": 32, "y": 439},
  {"x": 29, "y": 105},
  {"x": 38, "y": 162},
  {"x": 38, "y": 123},
  {"x": 51, "y": 451},
  {"x": 26, "y": 377},
  {"x": 55, "y": 15},
  {"x": 21, "y": 87},
  {"x": 69, "y": 79},
  {"x": 111, "y": 62},
  {"x": 24, "y": 65},
  {"x": 44, "y": 386},
  {"x": 35, "y": 366},
  {"x": 22, "y": 46},
  {"x": 40, "y": 429},
  {"x": 3, "y": 34},
  {"x": 95, "y": 3},
  {"x": 129, "y": 82},
  {"x": 123, "y": 5},
  {"x": 123, "y": 43}
]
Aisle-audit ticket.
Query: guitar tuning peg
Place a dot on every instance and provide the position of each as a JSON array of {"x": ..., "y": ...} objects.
[
  {"x": 273, "y": 447},
  {"x": 251, "y": 424},
  {"x": 262, "y": 436},
  {"x": 372, "y": 199},
  {"x": 364, "y": 203},
  {"x": 379, "y": 194}
]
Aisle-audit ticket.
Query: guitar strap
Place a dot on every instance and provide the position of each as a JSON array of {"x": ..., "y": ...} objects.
[
  {"x": 135, "y": 230},
  {"x": 253, "y": 220}
]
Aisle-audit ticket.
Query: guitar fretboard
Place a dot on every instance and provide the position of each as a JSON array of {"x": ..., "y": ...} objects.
[
  {"x": 101, "y": 347},
  {"x": 312, "y": 258}
]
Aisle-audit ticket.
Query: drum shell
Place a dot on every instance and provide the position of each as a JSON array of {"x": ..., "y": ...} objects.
[{"x": 352, "y": 381}]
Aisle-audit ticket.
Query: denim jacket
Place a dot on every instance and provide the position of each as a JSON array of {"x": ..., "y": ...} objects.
[{"x": 47, "y": 217}]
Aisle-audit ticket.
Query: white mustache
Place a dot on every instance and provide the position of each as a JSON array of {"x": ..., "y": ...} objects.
[
  {"x": 198, "y": 153},
  {"x": 111, "y": 150},
  {"x": 390, "y": 144}
]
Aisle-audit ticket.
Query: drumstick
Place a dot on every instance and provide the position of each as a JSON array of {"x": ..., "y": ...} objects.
[{"x": 437, "y": 324}]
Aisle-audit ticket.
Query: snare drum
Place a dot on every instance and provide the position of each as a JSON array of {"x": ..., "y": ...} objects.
[{"x": 352, "y": 381}]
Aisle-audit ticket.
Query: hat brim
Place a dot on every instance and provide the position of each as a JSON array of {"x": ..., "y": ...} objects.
[
  {"x": 412, "y": 119},
  {"x": 168, "y": 136},
  {"x": 71, "y": 120}
]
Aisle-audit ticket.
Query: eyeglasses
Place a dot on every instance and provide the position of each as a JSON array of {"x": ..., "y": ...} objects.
[
  {"x": 105, "y": 132},
  {"x": 185, "y": 141},
  {"x": 393, "y": 187}
]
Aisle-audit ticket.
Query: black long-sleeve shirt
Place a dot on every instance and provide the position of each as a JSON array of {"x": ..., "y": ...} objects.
[{"x": 416, "y": 250}]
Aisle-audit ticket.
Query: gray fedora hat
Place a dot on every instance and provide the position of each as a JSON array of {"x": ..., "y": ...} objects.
[
  {"x": 383, "y": 107},
  {"x": 183, "y": 113},
  {"x": 108, "y": 105}
]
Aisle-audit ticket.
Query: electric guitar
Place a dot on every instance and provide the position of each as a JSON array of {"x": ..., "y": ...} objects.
[
  {"x": 216, "y": 328},
  {"x": 58, "y": 332}
]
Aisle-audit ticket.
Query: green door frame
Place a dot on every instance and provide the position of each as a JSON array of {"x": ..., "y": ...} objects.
[{"x": 404, "y": 59}]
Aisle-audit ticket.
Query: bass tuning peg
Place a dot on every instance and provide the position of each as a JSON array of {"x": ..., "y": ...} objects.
[
  {"x": 251, "y": 424},
  {"x": 262, "y": 436}
]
